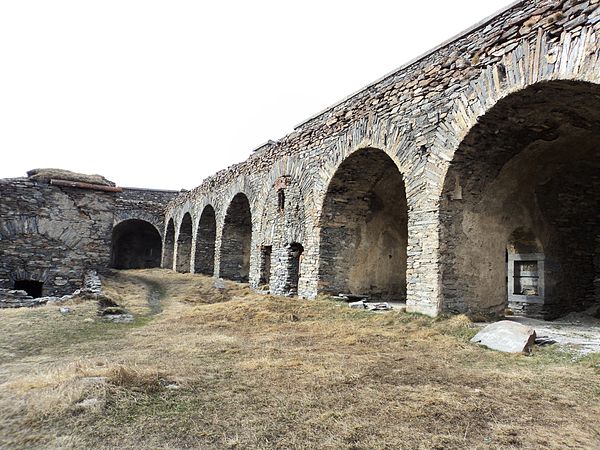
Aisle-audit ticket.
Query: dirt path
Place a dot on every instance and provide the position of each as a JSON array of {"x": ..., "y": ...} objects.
[{"x": 155, "y": 293}]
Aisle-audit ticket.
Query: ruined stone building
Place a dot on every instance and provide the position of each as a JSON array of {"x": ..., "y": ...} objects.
[
  {"x": 56, "y": 225},
  {"x": 467, "y": 180}
]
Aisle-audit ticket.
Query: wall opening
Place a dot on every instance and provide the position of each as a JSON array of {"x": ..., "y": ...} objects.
[
  {"x": 33, "y": 288},
  {"x": 525, "y": 273},
  {"x": 265, "y": 264},
  {"x": 136, "y": 244},
  {"x": 530, "y": 164},
  {"x": 169, "y": 247},
  {"x": 236, "y": 240},
  {"x": 280, "y": 200},
  {"x": 184, "y": 244},
  {"x": 293, "y": 265},
  {"x": 364, "y": 229},
  {"x": 205, "y": 242}
]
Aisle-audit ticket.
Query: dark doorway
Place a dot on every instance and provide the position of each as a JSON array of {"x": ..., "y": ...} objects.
[
  {"x": 136, "y": 244},
  {"x": 265, "y": 264},
  {"x": 294, "y": 259},
  {"x": 33, "y": 288}
]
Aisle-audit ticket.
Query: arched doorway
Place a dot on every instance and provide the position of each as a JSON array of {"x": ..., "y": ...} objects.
[
  {"x": 136, "y": 244},
  {"x": 184, "y": 244},
  {"x": 205, "y": 242},
  {"x": 169, "y": 248},
  {"x": 293, "y": 262},
  {"x": 364, "y": 228},
  {"x": 532, "y": 162},
  {"x": 236, "y": 240}
]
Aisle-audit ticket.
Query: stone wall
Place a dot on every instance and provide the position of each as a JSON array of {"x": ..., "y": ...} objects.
[
  {"x": 418, "y": 116},
  {"x": 143, "y": 204},
  {"x": 54, "y": 234}
]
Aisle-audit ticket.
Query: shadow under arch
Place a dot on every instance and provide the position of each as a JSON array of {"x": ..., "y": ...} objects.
[
  {"x": 364, "y": 228},
  {"x": 236, "y": 240},
  {"x": 136, "y": 244},
  {"x": 206, "y": 233},
  {"x": 532, "y": 161}
]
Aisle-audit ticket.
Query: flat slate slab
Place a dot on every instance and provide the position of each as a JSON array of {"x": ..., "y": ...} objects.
[{"x": 506, "y": 336}]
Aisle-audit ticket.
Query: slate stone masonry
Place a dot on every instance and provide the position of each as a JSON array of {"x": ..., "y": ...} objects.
[{"x": 418, "y": 115}]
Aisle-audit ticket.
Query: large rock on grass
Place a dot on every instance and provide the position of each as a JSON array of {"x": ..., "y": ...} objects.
[{"x": 506, "y": 336}]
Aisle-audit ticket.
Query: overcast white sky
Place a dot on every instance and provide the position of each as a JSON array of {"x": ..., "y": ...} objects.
[{"x": 164, "y": 93}]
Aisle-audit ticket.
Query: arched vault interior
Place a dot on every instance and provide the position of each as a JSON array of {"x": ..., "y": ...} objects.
[
  {"x": 136, "y": 244},
  {"x": 184, "y": 244},
  {"x": 363, "y": 245},
  {"x": 205, "y": 242},
  {"x": 169, "y": 247},
  {"x": 236, "y": 240},
  {"x": 531, "y": 163}
]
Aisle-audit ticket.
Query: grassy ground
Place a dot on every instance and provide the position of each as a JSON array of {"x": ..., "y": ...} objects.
[{"x": 232, "y": 369}]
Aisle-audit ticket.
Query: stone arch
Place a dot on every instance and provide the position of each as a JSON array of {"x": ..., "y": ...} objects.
[
  {"x": 277, "y": 228},
  {"x": 532, "y": 61},
  {"x": 531, "y": 162},
  {"x": 136, "y": 244},
  {"x": 236, "y": 240},
  {"x": 169, "y": 245},
  {"x": 206, "y": 233},
  {"x": 364, "y": 228},
  {"x": 184, "y": 244}
]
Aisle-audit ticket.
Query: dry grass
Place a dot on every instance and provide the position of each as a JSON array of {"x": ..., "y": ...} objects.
[{"x": 235, "y": 370}]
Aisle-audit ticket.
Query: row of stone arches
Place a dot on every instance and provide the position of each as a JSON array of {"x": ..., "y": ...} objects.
[
  {"x": 527, "y": 172},
  {"x": 235, "y": 242}
]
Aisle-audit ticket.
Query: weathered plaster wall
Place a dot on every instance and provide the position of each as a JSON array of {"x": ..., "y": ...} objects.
[{"x": 418, "y": 116}]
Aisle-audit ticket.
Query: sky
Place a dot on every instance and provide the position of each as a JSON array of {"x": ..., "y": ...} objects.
[{"x": 162, "y": 94}]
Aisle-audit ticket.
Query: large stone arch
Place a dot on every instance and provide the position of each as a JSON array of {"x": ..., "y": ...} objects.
[
  {"x": 206, "y": 233},
  {"x": 408, "y": 152},
  {"x": 532, "y": 161},
  {"x": 136, "y": 244},
  {"x": 530, "y": 64},
  {"x": 156, "y": 220},
  {"x": 184, "y": 244},
  {"x": 169, "y": 245},
  {"x": 364, "y": 228},
  {"x": 236, "y": 239}
]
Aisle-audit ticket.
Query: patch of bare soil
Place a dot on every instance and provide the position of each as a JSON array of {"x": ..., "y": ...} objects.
[{"x": 226, "y": 368}]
